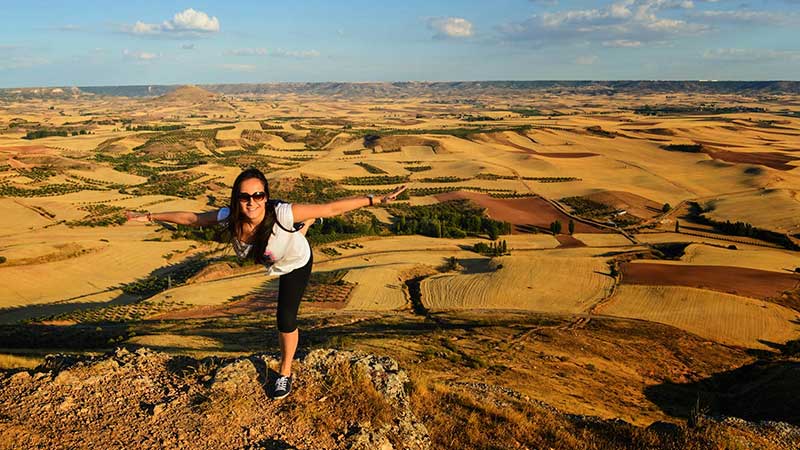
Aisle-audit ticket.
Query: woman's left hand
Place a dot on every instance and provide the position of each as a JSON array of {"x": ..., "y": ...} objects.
[{"x": 393, "y": 195}]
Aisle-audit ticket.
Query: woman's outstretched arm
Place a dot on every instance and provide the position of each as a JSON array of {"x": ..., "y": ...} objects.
[
  {"x": 177, "y": 217},
  {"x": 303, "y": 212}
]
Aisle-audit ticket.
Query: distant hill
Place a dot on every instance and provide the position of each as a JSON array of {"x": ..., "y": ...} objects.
[
  {"x": 471, "y": 88},
  {"x": 187, "y": 94},
  {"x": 460, "y": 89}
]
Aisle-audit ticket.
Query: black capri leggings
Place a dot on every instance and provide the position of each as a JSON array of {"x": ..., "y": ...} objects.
[{"x": 290, "y": 290}]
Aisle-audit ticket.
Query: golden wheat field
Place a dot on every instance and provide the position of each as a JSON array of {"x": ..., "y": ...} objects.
[
  {"x": 716, "y": 316},
  {"x": 547, "y": 284}
]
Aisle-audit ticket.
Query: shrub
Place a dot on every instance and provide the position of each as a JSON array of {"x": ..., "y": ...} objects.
[
  {"x": 3, "y": 259},
  {"x": 370, "y": 168},
  {"x": 687, "y": 148},
  {"x": 666, "y": 208}
]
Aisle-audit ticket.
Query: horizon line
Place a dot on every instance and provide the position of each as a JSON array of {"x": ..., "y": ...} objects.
[{"x": 407, "y": 81}]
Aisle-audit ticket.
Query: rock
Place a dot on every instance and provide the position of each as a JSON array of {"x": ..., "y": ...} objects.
[
  {"x": 20, "y": 377},
  {"x": 67, "y": 404},
  {"x": 66, "y": 378},
  {"x": 240, "y": 375},
  {"x": 159, "y": 408},
  {"x": 366, "y": 439}
]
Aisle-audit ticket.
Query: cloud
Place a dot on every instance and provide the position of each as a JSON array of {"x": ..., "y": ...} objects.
[
  {"x": 187, "y": 46},
  {"x": 187, "y": 23},
  {"x": 750, "y": 55},
  {"x": 239, "y": 67},
  {"x": 622, "y": 43},
  {"x": 301, "y": 54},
  {"x": 69, "y": 27},
  {"x": 246, "y": 52},
  {"x": 280, "y": 53},
  {"x": 192, "y": 20},
  {"x": 623, "y": 22},
  {"x": 586, "y": 60},
  {"x": 140, "y": 56},
  {"x": 450, "y": 27},
  {"x": 745, "y": 17}
]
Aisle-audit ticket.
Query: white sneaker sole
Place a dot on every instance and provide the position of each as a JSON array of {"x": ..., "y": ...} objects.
[{"x": 277, "y": 397}]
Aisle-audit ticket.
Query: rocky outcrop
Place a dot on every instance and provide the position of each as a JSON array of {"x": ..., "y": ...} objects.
[{"x": 147, "y": 399}]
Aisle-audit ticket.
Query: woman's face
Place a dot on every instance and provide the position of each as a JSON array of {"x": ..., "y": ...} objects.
[{"x": 252, "y": 208}]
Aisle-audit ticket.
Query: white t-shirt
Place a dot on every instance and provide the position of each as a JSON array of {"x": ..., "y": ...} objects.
[{"x": 288, "y": 251}]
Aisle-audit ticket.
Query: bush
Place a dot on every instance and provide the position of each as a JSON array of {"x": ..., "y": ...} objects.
[
  {"x": 686, "y": 148},
  {"x": 496, "y": 248},
  {"x": 370, "y": 168},
  {"x": 666, "y": 208},
  {"x": 3, "y": 259}
]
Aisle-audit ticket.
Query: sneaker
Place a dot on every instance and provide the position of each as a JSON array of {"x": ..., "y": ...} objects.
[{"x": 283, "y": 385}]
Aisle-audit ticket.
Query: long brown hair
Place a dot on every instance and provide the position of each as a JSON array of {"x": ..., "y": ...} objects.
[{"x": 263, "y": 231}]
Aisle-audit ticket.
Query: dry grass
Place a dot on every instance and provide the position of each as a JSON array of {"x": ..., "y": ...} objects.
[
  {"x": 457, "y": 419},
  {"x": 343, "y": 398}
]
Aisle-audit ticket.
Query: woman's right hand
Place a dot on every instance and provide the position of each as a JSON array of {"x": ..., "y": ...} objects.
[{"x": 134, "y": 216}]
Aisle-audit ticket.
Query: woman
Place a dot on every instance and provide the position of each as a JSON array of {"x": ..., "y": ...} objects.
[{"x": 263, "y": 230}]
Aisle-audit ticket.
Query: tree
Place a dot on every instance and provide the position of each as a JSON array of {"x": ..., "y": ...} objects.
[
  {"x": 666, "y": 208},
  {"x": 677, "y": 227},
  {"x": 492, "y": 230},
  {"x": 571, "y": 226},
  {"x": 555, "y": 227}
]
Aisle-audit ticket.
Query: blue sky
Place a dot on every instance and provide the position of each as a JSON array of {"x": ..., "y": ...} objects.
[{"x": 45, "y": 43}]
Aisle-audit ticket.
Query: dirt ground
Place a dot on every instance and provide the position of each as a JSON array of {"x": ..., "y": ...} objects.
[
  {"x": 519, "y": 211},
  {"x": 732, "y": 280}
]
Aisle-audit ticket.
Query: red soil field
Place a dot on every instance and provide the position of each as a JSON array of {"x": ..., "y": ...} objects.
[
  {"x": 775, "y": 160},
  {"x": 567, "y": 241},
  {"x": 741, "y": 281},
  {"x": 635, "y": 205},
  {"x": 519, "y": 211}
]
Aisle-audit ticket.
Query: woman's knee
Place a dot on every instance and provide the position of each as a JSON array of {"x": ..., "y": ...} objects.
[{"x": 287, "y": 323}]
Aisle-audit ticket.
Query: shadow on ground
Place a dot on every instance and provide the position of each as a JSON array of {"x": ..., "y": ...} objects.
[{"x": 764, "y": 390}]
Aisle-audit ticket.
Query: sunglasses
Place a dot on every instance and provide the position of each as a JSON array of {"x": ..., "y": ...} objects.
[{"x": 244, "y": 197}]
